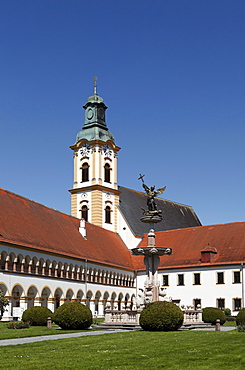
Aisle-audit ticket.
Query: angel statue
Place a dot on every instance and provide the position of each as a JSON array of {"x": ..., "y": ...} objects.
[{"x": 151, "y": 194}]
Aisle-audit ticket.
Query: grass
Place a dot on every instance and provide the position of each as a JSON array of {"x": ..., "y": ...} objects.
[
  {"x": 35, "y": 331},
  {"x": 230, "y": 323},
  {"x": 32, "y": 331},
  {"x": 132, "y": 351}
]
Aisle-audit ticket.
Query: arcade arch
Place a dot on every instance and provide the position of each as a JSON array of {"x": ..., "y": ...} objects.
[
  {"x": 31, "y": 295},
  {"x": 58, "y": 294},
  {"x": 46, "y": 293}
]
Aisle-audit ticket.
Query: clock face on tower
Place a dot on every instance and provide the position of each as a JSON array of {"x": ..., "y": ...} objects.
[{"x": 90, "y": 113}]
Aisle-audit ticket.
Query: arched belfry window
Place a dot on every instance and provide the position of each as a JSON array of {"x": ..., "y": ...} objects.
[
  {"x": 107, "y": 172},
  {"x": 85, "y": 174},
  {"x": 84, "y": 211},
  {"x": 107, "y": 215}
]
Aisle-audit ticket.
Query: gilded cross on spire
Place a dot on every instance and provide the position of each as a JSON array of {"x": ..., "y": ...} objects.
[{"x": 95, "y": 84}]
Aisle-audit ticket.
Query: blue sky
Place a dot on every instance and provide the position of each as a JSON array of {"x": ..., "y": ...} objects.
[{"x": 172, "y": 74}]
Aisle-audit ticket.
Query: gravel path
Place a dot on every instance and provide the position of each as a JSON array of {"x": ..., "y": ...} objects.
[{"x": 14, "y": 342}]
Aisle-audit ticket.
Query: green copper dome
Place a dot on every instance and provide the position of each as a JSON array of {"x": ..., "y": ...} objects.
[
  {"x": 95, "y": 99},
  {"x": 94, "y": 133},
  {"x": 95, "y": 127}
]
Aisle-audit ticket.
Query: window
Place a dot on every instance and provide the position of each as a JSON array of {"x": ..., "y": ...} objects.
[
  {"x": 237, "y": 304},
  {"x": 107, "y": 173},
  {"x": 197, "y": 280},
  {"x": 197, "y": 303},
  {"x": 85, "y": 213},
  {"x": 107, "y": 215},
  {"x": 236, "y": 277},
  {"x": 221, "y": 303},
  {"x": 85, "y": 176},
  {"x": 165, "y": 280},
  {"x": 181, "y": 279},
  {"x": 220, "y": 278}
]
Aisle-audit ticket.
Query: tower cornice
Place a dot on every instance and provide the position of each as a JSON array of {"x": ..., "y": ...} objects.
[
  {"x": 95, "y": 187},
  {"x": 94, "y": 142}
]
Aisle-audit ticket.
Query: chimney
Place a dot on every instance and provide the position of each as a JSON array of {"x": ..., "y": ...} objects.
[{"x": 82, "y": 228}]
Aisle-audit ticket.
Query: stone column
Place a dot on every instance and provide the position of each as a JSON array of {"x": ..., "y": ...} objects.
[
  {"x": 8, "y": 309},
  {"x": 38, "y": 301},
  {"x": 50, "y": 304},
  {"x": 23, "y": 304},
  {"x": 100, "y": 308},
  {"x": 14, "y": 264}
]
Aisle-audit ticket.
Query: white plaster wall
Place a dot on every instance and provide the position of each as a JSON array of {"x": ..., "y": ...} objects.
[
  {"x": 208, "y": 291},
  {"x": 126, "y": 233}
]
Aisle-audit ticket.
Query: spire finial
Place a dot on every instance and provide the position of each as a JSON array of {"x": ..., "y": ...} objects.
[{"x": 95, "y": 84}]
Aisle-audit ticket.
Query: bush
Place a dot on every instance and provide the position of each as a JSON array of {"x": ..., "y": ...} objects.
[
  {"x": 211, "y": 314},
  {"x": 241, "y": 328},
  {"x": 240, "y": 319},
  {"x": 73, "y": 315},
  {"x": 161, "y": 316},
  {"x": 37, "y": 315},
  {"x": 227, "y": 312},
  {"x": 230, "y": 318}
]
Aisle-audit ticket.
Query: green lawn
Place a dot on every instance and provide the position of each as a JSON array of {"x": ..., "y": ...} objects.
[
  {"x": 132, "y": 351},
  {"x": 32, "y": 331},
  {"x": 230, "y": 323}
]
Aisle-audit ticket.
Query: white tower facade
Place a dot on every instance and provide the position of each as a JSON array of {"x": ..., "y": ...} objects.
[{"x": 95, "y": 195}]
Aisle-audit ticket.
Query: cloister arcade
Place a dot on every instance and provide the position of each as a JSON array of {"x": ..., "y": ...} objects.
[
  {"x": 45, "y": 267},
  {"x": 96, "y": 301},
  {"x": 28, "y": 282}
]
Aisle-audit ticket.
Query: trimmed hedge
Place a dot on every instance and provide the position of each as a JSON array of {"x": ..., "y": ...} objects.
[
  {"x": 73, "y": 315},
  {"x": 240, "y": 319},
  {"x": 37, "y": 315},
  {"x": 161, "y": 316},
  {"x": 211, "y": 314},
  {"x": 227, "y": 312}
]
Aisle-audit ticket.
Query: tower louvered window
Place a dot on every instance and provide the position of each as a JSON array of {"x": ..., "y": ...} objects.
[
  {"x": 85, "y": 172},
  {"x": 107, "y": 215},
  {"x": 85, "y": 213},
  {"x": 107, "y": 173}
]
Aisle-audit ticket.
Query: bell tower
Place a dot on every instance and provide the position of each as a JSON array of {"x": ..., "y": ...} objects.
[{"x": 95, "y": 194}]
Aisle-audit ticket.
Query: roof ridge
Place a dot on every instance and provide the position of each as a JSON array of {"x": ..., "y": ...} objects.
[{"x": 35, "y": 202}]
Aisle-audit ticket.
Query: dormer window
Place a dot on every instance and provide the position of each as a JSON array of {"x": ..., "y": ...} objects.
[
  {"x": 208, "y": 253},
  {"x": 107, "y": 172},
  {"x": 85, "y": 173}
]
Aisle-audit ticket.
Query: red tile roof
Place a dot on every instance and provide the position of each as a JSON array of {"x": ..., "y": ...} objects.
[
  {"x": 227, "y": 239},
  {"x": 30, "y": 224}
]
